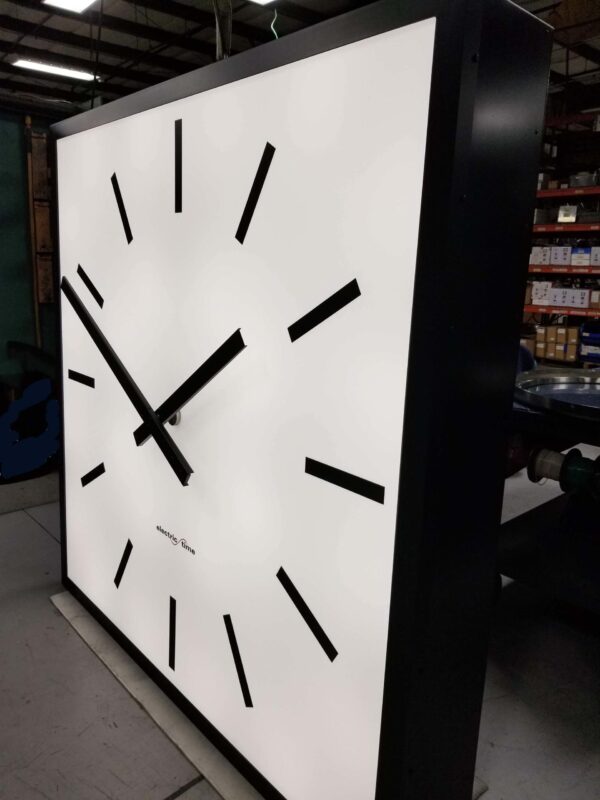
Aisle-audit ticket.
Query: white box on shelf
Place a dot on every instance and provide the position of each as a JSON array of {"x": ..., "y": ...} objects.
[
  {"x": 567, "y": 213},
  {"x": 540, "y": 256},
  {"x": 579, "y": 298},
  {"x": 539, "y": 292},
  {"x": 581, "y": 256},
  {"x": 561, "y": 256},
  {"x": 557, "y": 296}
]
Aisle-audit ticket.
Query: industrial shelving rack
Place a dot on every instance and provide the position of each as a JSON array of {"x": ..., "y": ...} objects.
[{"x": 565, "y": 228}]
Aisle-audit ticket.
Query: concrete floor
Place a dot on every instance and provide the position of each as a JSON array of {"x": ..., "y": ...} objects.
[{"x": 69, "y": 730}]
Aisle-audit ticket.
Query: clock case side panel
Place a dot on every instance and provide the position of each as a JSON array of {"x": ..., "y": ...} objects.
[
  {"x": 55, "y": 223},
  {"x": 478, "y": 201}
]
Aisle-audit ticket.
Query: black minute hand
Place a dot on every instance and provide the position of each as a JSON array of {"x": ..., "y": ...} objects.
[
  {"x": 197, "y": 380},
  {"x": 168, "y": 447}
]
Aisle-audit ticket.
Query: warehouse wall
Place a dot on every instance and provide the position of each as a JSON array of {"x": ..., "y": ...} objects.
[{"x": 16, "y": 290}]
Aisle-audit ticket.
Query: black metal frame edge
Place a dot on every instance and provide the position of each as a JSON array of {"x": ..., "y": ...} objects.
[
  {"x": 60, "y": 382},
  {"x": 445, "y": 556},
  {"x": 420, "y": 591},
  {"x": 353, "y": 26}
]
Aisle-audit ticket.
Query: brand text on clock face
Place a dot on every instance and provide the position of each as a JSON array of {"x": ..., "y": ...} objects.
[{"x": 175, "y": 541}]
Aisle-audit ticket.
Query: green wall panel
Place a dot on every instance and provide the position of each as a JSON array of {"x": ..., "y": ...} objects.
[{"x": 16, "y": 290}]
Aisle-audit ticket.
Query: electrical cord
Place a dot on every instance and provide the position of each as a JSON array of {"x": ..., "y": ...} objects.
[
  {"x": 223, "y": 42},
  {"x": 95, "y": 81}
]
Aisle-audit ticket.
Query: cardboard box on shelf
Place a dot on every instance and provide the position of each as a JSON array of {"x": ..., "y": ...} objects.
[
  {"x": 578, "y": 298},
  {"x": 595, "y": 259},
  {"x": 590, "y": 350},
  {"x": 560, "y": 352},
  {"x": 571, "y": 353},
  {"x": 581, "y": 256},
  {"x": 529, "y": 344},
  {"x": 551, "y": 348},
  {"x": 557, "y": 296},
  {"x": 561, "y": 335},
  {"x": 539, "y": 292},
  {"x": 540, "y": 349},
  {"x": 573, "y": 336},
  {"x": 567, "y": 213},
  {"x": 528, "y": 289},
  {"x": 594, "y": 298},
  {"x": 551, "y": 331},
  {"x": 561, "y": 256},
  {"x": 540, "y": 256},
  {"x": 540, "y": 333}
]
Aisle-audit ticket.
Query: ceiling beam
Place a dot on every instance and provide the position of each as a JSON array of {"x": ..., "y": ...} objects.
[
  {"x": 577, "y": 96},
  {"x": 299, "y": 13},
  {"x": 45, "y": 32},
  {"x": 35, "y": 107},
  {"x": 76, "y": 85},
  {"x": 584, "y": 50},
  {"x": 41, "y": 91},
  {"x": 124, "y": 26},
  {"x": 41, "y": 54},
  {"x": 206, "y": 18}
]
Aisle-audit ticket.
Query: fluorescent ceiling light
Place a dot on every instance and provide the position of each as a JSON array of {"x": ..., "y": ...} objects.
[
  {"x": 70, "y": 5},
  {"x": 53, "y": 70},
  {"x": 261, "y": 2}
]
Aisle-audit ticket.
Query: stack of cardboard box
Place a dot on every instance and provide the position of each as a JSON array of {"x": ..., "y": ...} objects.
[
  {"x": 564, "y": 256},
  {"x": 553, "y": 293},
  {"x": 586, "y": 292},
  {"x": 556, "y": 343}
]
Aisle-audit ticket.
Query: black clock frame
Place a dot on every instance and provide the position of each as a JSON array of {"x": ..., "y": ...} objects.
[{"x": 490, "y": 70}]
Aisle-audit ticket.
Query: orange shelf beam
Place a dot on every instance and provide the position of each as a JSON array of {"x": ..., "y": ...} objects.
[
  {"x": 550, "y": 269},
  {"x": 585, "y": 191},
  {"x": 569, "y": 312},
  {"x": 567, "y": 227}
]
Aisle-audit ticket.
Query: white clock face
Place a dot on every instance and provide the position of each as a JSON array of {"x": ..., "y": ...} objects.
[{"x": 261, "y": 589}]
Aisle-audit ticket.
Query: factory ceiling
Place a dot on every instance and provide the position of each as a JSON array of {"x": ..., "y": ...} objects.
[{"x": 131, "y": 44}]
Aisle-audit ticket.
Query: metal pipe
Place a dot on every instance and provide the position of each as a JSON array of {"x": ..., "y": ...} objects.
[{"x": 545, "y": 464}]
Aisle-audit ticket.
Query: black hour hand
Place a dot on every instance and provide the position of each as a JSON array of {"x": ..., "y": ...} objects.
[{"x": 197, "y": 380}]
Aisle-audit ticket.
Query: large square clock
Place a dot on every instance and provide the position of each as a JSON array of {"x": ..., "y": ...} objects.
[{"x": 290, "y": 289}]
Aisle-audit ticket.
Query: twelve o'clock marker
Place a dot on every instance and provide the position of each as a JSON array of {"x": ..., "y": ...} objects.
[
  {"x": 345, "y": 480},
  {"x": 237, "y": 660},
  {"x": 307, "y": 614},
  {"x": 123, "y": 562},
  {"x": 121, "y": 205},
  {"x": 324, "y": 310},
  {"x": 257, "y": 185},
  {"x": 178, "y": 165},
  {"x": 93, "y": 474}
]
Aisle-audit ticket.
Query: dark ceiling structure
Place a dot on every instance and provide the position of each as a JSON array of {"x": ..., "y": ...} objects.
[{"x": 131, "y": 44}]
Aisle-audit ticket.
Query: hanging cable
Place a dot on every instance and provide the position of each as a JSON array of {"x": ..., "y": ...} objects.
[
  {"x": 223, "y": 29},
  {"x": 275, "y": 34},
  {"x": 229, "y": 29},
  {"x": 95, "y": 81}
]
